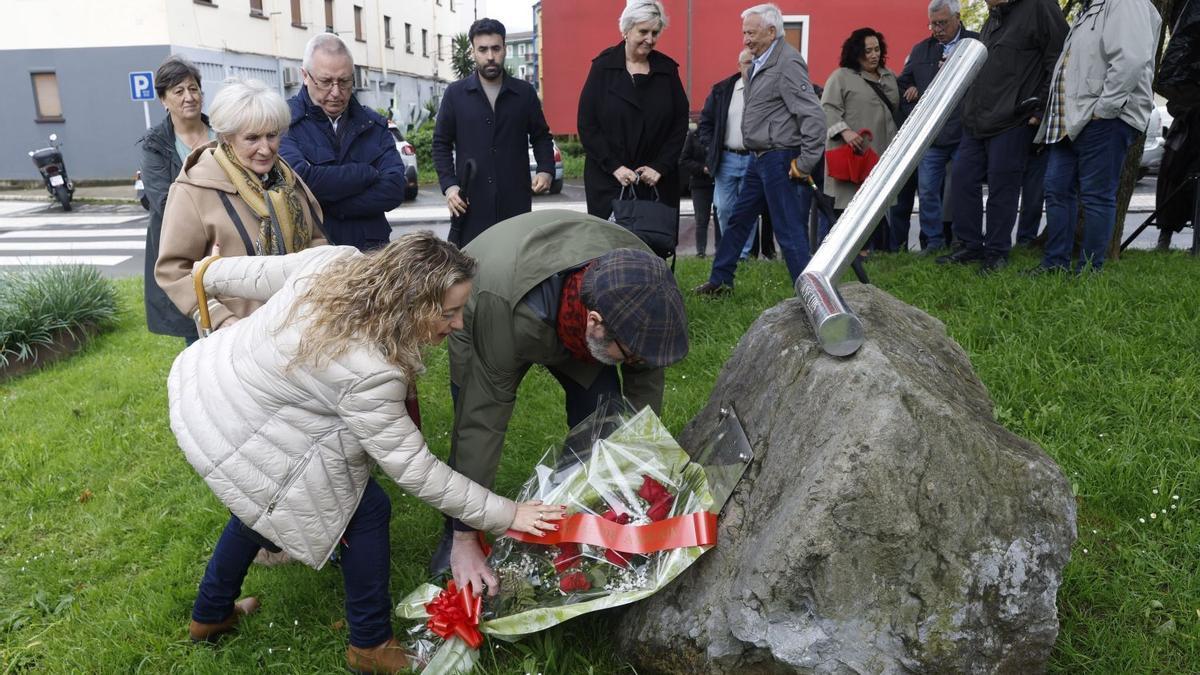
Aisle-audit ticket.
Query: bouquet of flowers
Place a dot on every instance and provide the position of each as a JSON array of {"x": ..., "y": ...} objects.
[{"x": 640, "y": 511}]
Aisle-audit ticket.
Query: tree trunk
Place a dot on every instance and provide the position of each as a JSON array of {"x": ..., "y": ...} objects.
[{"x": 1133, "y": 159}]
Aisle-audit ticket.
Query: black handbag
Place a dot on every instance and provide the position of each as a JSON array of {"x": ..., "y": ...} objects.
[{"x": 652, "y": 221}]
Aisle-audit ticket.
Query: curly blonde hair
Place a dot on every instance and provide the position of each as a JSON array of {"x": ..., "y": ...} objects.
[{"x": 390, "y": 298}]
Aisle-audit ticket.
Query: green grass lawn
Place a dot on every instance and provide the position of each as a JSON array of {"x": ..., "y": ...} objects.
[{"x": 105, "y": 529}]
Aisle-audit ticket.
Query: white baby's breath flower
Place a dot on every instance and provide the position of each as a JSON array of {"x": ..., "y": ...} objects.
[
  {"x": 1175, "y": 497},
  {"x": 1154, "y": 491},
  {"x": 1153, "y": 515},
  {"x": 1085, "y": 550},
  {"x": 1141, "y": 520}
]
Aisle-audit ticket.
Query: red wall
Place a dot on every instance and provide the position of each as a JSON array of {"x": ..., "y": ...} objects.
[{"x": 575, "y": 31}]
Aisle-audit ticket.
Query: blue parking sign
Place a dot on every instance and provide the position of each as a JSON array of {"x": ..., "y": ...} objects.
[{"x": 141, "y": 85}]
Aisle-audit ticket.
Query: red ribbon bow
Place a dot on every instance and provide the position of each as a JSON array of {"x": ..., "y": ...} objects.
[{"x": 455, "y": 611}]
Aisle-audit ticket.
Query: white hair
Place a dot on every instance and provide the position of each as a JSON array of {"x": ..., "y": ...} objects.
[
  {"x": 951, "y": 5},
  {"x": 328, "y": 43},
  {"x": 641, "y": 11},
  {"x": 247, "y": 106},
  {"x": 770, "y": 16}
]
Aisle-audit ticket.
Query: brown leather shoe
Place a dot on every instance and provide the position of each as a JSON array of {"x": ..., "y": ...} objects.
[
  {"x": 386, "y": 658},
  {"x": 209, "y": 632}
]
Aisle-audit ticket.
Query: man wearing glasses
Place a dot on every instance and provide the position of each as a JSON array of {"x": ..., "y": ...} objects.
[
  {"x": 343, "y": 150},
  {"x": 924, "y": 61},
  {"x": 577, "y": 295}
]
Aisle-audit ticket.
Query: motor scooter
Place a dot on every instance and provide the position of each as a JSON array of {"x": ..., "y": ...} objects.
[{"x": 49, "y": 163}]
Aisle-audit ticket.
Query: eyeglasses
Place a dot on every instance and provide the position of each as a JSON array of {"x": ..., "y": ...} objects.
[
  {"x": 327, "y": 83},
  {"x": 626, "y": 357},
  {"x": 941, "y": 23}
]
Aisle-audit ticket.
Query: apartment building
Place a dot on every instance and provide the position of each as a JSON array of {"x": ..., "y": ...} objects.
[{"x": 67, "y": 64}]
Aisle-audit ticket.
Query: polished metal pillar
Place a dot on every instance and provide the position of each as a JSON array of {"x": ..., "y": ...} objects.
[{"x": 838, "y": 330}]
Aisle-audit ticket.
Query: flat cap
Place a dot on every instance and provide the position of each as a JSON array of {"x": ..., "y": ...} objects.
[{"x": 636, "y": 294}]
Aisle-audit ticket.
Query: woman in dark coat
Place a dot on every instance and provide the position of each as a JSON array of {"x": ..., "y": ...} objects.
[
  {"x": 177, "y": 83},
  {"x": 633, "y": 114}
]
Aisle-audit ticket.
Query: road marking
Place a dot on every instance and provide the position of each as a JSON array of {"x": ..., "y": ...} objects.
[
  {"x": 8, "y": 208},
  {"x": 423, "y": 214},
  {"x": 34, "y": 260},
  {"x": 72, "y": 246},
  {"x": 24, "y": 222},
  {"x": 74, "y": 234}
]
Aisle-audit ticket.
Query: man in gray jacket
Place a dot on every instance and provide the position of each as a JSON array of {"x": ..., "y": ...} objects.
[
  {"x": 1100, "y": 99},
  {"x": 783, "y": 127}
]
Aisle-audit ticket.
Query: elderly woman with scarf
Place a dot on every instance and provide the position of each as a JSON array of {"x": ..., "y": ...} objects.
[{"x": 237, "y": 193}]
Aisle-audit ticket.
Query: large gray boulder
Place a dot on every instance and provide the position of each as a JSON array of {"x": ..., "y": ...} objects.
[{"x": 887, "y": 525}]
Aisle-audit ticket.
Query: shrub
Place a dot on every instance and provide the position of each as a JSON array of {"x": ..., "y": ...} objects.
[{"x": 36, "y": 304}]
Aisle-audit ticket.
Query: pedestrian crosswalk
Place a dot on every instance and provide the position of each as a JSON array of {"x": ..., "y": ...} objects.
[{"x": 32, "y": 235}]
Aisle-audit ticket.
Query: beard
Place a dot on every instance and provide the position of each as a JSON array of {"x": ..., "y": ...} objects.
[
  {"x": 599, "y": 350},
  {"x": 490, "y": 72}
]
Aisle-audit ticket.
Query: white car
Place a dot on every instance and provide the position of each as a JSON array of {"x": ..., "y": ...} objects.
[
  {"x": 556, "y": 184},
  {"x": 409, "y": 155},
  {"x": 1152, "y": 149}
]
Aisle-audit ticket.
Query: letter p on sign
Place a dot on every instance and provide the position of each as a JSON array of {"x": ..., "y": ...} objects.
[{"x": 141, "y": 85}]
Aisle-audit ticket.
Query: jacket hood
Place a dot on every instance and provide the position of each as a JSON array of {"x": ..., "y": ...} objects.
[
  {"x": 161, "y": 138},
  {"x": 202, "y": 170},
  {"x": 301, "y": 106}
]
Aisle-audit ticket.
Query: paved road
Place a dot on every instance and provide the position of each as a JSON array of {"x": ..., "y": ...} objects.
[{"x": 112, "y": 237}]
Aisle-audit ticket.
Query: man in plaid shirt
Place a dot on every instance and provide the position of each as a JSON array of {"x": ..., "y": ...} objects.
[{"x": 1100, "y": 99}]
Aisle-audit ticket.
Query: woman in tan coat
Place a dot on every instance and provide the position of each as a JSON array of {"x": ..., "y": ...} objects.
[
  {"x": 861, "y": 94},
  {"x": 238, "y": 193}
]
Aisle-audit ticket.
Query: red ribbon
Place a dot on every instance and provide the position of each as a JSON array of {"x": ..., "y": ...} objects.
[
  {"x": 455, "y": 611},
  {"x": 693, "y": 529}
]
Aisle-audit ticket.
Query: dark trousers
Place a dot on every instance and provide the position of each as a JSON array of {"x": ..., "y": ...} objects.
[
  {"x": 580, "y": 402},
  {"x": 766, "y": 185},
  {"x": 1033, "y": 196},
  {"x": 702, "y": 205},
  {"x": 364, "y": 560},
  {"x": 1000, "y": 162},
  {"x": 899, "y": 216}
]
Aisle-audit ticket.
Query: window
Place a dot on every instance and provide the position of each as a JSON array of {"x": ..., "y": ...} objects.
[
  {"x": 205, "y": 2},
  {"x": 408, "y": 46},
  {"x": 328, "y": 16},
  {"x": 45, "y": 97},
  {"x": 387, "y": 32},
  {"x": 451, "y": 5},
  {"x": 441, "y": 56},
  {"x": 358, "y": 33},
  {"x": 297, "y": 18},
  {"x": 424, "y": 42},
  {"x": 521, "y": 49},
  {"x": 521, "y": 71},
  {"x": 795, "y": 30},
  {"x": 256, "y": 9},
  {"x": 508, "y": 52}
]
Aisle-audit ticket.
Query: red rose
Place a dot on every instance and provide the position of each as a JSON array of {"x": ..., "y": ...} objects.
[
  {"x": 568, "y": 557},
  {"x": 661, "y": 508},
  {"x": 620, "y": 519},
  {"x": 652, "y": 490},
  {"x": 575, "y": 581},
  {"x": 617, "y": 558}
]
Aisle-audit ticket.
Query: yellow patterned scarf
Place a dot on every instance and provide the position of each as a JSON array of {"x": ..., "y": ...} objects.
[{"x": 281, "y": 224}]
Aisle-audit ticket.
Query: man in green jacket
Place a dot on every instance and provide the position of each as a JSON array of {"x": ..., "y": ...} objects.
[{"x": 576, "y": 294}]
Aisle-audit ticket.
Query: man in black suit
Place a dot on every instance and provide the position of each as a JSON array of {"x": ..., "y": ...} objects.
[{"x": 926, "y": 57}]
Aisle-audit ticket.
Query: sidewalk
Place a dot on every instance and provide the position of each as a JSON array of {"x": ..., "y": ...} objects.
[{"x": 107, "y": 193}]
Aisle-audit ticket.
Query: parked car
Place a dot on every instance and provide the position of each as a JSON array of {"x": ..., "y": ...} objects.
[
  {"x": 1152, "y": 149},
  {"x": 409, "y": 155},
  {"x": 556, "y": 184}
]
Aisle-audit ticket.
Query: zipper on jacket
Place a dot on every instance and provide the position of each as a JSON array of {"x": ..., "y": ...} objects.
[{"x": 291, "y": 478}]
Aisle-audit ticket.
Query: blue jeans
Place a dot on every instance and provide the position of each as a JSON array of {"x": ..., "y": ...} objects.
[
  {"x": 730, "y": 175},
  {"x": 766, "y": 184},
  {"x": 931, "y": 177},
  {"x": 1033, "y": 197},
  {"x": 1085, "y": 170},
  {"x": 365, "y": 570},
  {"x": 1000, "y": 162}
]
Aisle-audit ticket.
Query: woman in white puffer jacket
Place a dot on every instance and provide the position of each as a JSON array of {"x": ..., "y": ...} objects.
[{"x": 284, "y": 413}]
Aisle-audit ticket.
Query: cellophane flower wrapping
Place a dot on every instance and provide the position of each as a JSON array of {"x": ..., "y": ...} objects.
[{"x": 623, "y": 466}]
